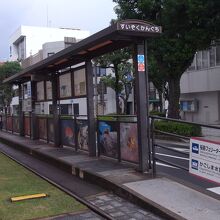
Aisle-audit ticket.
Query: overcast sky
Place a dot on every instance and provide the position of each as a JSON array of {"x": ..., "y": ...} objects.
[{"x": 91, "y": 15}]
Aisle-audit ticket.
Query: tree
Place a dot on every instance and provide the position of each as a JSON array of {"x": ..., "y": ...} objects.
[
  {"x": 123, "y": 85},
  {"x": 6, "y": 92},
  {"x": 188, "y": 26},
  {"x": 118, "y": 62}
]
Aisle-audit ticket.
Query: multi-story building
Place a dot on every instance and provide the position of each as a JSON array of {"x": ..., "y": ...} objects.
[
  {"x": 28, "y": 40},
  {"x": 29, "y": 45},
  {"x": 200, "y": 88}
]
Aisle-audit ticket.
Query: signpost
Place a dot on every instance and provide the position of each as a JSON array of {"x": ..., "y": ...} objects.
[
  {"x": 205, "y": 159},
  {"x": 141, "y": 64}
]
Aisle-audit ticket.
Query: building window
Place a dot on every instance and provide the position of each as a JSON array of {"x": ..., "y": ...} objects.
[
  {"x": 76, "y": 109},
  {"x": 21, "y": 49},
  {"x": 199, "y": 60},
  {"x": 212, "y": 56},
  {"x": 79, "y": 82},
  {"x": 50, "y": 54},
  {"x": 49, "y": 90},
  {"x": 202, "y": 61},
  {"x": 193, "y": 65},
  {"x": 101, "y": 88},
  {"x": 99, "y": 71},
  {"x": 40, "y": 91},
  {"x": 10, "y": 51},
  {"x": 65, "y": 85},
  {"x": 189, "y": 105},
  {"x": 205, "y": 59},
  {"x": 218, "y": 55}
]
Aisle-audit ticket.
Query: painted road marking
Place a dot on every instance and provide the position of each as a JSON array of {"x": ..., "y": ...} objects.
[
  {"x": 181, "y": 149},
  {"x": 168, "y": 155},
  {"x": 165, "y": 165},
  {"x": 215, "y": 190}
]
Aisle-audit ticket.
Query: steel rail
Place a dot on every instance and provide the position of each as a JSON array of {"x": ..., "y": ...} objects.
[{"x": 79, "y": 199}]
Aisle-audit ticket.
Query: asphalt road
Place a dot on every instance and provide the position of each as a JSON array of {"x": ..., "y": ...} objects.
[{"x": 182, "y": 160}]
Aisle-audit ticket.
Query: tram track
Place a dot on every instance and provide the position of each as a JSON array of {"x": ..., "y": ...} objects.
[
  {"x": 90, "y": 206},
  {"x": 101, "y": 203}
]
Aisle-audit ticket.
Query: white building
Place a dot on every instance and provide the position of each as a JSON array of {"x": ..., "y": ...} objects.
[
  {"x": 200, "y": 88},
  {"x": 28, "y": 40},
  {"x": 29, "y": 45}
]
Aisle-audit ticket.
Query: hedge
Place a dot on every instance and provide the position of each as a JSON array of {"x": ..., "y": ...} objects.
[
  {"x": 156, "y": 113},
  {"x": 178, "y": 128}
]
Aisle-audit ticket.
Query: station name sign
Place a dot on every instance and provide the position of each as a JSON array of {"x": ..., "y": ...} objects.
[{"x": 139, "y": 27}]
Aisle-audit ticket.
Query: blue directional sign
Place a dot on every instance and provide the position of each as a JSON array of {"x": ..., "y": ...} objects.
[{"x": 140, "y": 58}]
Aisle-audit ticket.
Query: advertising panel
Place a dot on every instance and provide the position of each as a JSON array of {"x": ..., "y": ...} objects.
[{"x": 205, "y": 159}]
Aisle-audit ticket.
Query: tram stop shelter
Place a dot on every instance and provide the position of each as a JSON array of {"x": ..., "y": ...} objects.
[{"x": 121, "y": 34}]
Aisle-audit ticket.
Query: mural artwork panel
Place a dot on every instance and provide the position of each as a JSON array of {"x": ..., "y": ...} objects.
[
  {"x": 129, "y": 142},
  {"x": 108, "y": 139},
  {"x": 82, "y": 136},
  {"x": 67, "y": 133}
]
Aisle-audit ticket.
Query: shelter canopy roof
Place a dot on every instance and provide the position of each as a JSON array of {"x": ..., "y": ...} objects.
[{"x": 119, "y": 35}]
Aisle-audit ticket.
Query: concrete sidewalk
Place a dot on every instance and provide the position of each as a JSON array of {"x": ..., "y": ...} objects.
[{"x": 161, "y": 195}]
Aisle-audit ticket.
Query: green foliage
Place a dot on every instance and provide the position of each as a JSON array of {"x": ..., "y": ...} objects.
[
  {"x": 160, "y": 114},
  {"x": 113, "y": 59},
  {"x": 6, "y": 70},
  {"x": 188, "y": 26},
  {"x": 119, "y": 82},
  {"x": 178, "y": 128},
  {"x": 17, "y": 181},
  {"x": 107, "y": 118},
  {"x": 123, "y": 81}
]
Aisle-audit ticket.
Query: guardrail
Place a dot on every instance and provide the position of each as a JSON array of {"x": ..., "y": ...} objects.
[
  {"x": 116, "y": 135},
  {"x": 155, "y": 146}
]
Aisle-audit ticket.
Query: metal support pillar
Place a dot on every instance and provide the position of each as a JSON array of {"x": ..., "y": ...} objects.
[
  {"x": 90, "y": 109},
  {"x": 21, "y": 113},
  {"x": 140, "y": 62},
  {"x": 34, "y": 126},
  {"x": 56, "y": 124}
]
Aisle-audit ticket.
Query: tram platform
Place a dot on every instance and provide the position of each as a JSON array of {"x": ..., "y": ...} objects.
[{"x": 160, "y": 194}]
